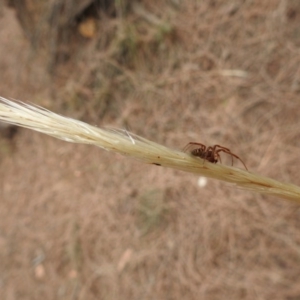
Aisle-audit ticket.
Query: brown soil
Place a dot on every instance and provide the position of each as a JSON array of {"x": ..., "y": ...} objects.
[{"x": 77, "y": 222}]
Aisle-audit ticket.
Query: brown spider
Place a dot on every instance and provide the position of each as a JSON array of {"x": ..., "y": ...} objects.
[{"x": 210, "y": 153}]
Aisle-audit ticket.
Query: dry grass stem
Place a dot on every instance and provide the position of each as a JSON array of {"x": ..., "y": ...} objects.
[{"x": 129, "y": 144}]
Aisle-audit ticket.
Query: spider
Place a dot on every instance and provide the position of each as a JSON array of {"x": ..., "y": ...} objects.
[{"x": 211, "y": 153}]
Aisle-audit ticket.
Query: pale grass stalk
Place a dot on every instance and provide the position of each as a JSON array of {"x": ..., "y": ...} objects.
[{"x": 129, "y": 144}]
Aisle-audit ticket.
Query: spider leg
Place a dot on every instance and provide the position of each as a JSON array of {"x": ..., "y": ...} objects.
[
  {"x": 219, "y": 157},
  {"x": 225, "y": 150},
  {"x": 221, "y": 147},
  {"x": 239, "y": 160},
  {"x": 191, "y": 144}
]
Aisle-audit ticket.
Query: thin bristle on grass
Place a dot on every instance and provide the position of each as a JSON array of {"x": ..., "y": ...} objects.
[{"x": 129, "y": 144}]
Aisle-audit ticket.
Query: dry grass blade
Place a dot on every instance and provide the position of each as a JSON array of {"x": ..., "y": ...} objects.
[{"x": 121, "y": 141}]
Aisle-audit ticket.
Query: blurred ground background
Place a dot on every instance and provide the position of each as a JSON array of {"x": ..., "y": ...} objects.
[{"x": 77, "y": 222}]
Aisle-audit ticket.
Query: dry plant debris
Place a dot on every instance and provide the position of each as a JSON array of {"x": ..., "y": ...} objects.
[
  {"x": 81, "y": 223},
  {"x": 129, "y": 144}
]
